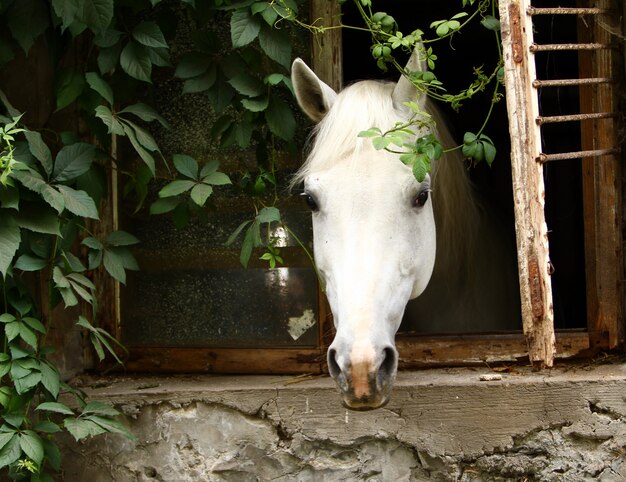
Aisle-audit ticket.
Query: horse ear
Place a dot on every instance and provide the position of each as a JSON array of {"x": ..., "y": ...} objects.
[
  {"x": 314, "y": 96},
  {"x": 404, "y": 90}
]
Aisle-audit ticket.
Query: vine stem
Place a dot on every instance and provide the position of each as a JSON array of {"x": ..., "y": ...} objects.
[{"x": 305, "y": 249}]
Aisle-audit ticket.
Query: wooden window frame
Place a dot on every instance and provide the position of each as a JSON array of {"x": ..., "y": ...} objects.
[{"x": 539, "y": 343}]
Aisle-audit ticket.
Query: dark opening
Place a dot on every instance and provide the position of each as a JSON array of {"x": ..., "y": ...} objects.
[{"x": 475, "y": 47}]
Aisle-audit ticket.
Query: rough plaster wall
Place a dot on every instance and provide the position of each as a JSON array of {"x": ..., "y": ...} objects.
[{"x": 270, "y": 434}]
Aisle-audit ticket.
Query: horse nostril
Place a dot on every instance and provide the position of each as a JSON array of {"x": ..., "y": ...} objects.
[
  {"x": 333, "y": 366},
  {"x": 389, "y": 363}
]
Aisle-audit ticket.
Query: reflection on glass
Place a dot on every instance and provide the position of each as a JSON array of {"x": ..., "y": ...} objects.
[{"x": 221, "y": 308}]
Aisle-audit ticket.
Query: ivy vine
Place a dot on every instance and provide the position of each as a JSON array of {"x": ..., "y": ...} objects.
[{"x": 53, "y": 182}]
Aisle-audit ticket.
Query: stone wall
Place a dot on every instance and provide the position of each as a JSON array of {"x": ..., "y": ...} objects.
[{"x": 563, "y": 424}]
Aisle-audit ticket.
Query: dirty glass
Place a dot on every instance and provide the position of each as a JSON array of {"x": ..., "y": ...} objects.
[{"x": 191, "y": 290}]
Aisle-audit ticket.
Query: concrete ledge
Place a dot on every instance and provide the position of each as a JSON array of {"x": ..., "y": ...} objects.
[{"x": 561, "y": 424}]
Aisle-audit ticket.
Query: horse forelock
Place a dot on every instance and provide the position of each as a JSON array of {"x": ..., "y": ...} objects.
[{"x": 357, "y": 108}]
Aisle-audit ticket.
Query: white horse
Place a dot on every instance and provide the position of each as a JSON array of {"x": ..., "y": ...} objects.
[{"x": 382, "y": 238}]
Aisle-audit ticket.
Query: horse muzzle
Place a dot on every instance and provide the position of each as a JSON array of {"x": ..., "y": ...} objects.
[{"x": 365, "y": 382}]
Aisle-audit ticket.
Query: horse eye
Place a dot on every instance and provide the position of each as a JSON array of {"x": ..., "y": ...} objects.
[
  {"x": 310, "y": 201},
  {"x": 421, "y": 198}
]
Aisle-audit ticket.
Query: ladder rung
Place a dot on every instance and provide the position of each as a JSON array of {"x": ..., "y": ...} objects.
[
  {"x": 558, "y": 47},
  {"x": 576, "y": 155},
  {"x": 566, "y": 11},
  {"x": 574, "y": 117},
  {"x": 538, "y": 84}
]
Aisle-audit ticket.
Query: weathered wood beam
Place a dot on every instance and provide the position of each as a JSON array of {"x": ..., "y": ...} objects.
[{"x": 528, "y": 184}]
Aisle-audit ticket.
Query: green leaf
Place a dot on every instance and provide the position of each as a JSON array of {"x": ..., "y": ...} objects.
[
  {"x": 277, "y": 45},
  {"x": 80, "y": 428},
  {"x": 200, "y": 193},
  {"x": 244, "y": 28},
  {"x": 108, "y": 38},
  {"x": 380, "y": 142},
  {"x": 114, "y": 125},
  {"x": 256, "y": 105},
  {"x": 113, "y": 426},
  {"x": 59, "y": 278},
  {"x": 114, "y": 265},
  {"x": 216, "y": 179},
  {"x": 268, "y": 215},
  {"x": 35, "y": 324},
  {"x": 7, "y": 318},
  {"x": 31, "y": 444},
  {"x": 247, "y": 84},
  {"x": 39, "y": 149},
  {"x": 73, "y": 160},
  {"x": 46, "y": 426},
  {"x": 164, "y": 205},
  {"x": 66, "y": 11},
  {"x": 53, "y": 454},
  {"x": 175, "y": 188},
  {"x": 9, "y": 198},
  {"x": 100, "y": 85},
  {"x": 97, "y": 345},
  {"x": 372, "y": 132},
  {"x": 143, "y": 153},
  {"x": 192, "y": 65},
  {"x": 121, "y": 238},
  {"x": 9, "y": 241},
  {"x": 420, "y": 167},
  {"x": 269, "y": 15},
  {"x": 108, "y": 58},
  {"x": 469, "y": 138},
  {"x": 78, "y": 202},
  {"x": 220, "y": 95},
  {"x": 11, "y": 451},
  {"x": 490, "y": 152},
  {"x": 490, "y": 22},
  {"x": 50, "y": 379},
  {"x": 27, "y": 383},
  {"x": 160, "y": 57},
  {"x": 96, "y": 14},
  {"x": 12, "y": 330},
  {"x": 100, "y": 408},
  {"x": 135, "y": 61},
  {"x": 149, "y": 34},
  {"x": 186, "y": 165},
  {"x": 249, "y": 243},
  {"x": 27, "y": 19},
  {"x": 28, "y": 336},
  {"x": 143, "y": 136},
  {"x": 93, "y": 243},
  {"x": 53, "y": 197},
  {"x": 145, "y": 113},
  {"x": 38, "y": 218},
  {"x": 280, "y": 119},
  {"x": 69, "y": 85},
  {"x": 209, "y": 168},
  {"x": 17, "y": 352},
  {"x": 55, "y": 407},
  {"x": 5, "y": 437},
  {"x": 26, "y": 262},
  {"x": 200, "y": 83},
  {"x": 77, "y": 279}
]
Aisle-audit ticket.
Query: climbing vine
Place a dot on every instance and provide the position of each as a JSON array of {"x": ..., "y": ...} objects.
[{"x": 107, "y": 56}]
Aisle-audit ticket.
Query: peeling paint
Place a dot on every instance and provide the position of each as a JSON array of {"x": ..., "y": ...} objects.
[{"x": 298, "y": 325}]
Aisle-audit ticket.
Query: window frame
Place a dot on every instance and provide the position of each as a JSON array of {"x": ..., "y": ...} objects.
[{"x": 603, "y": 256}]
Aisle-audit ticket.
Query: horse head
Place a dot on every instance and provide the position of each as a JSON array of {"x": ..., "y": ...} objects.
[{"x": 373, "y": 227}]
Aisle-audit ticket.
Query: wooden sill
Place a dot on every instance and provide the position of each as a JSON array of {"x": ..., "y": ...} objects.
[{"x": 415, "y": 352}]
